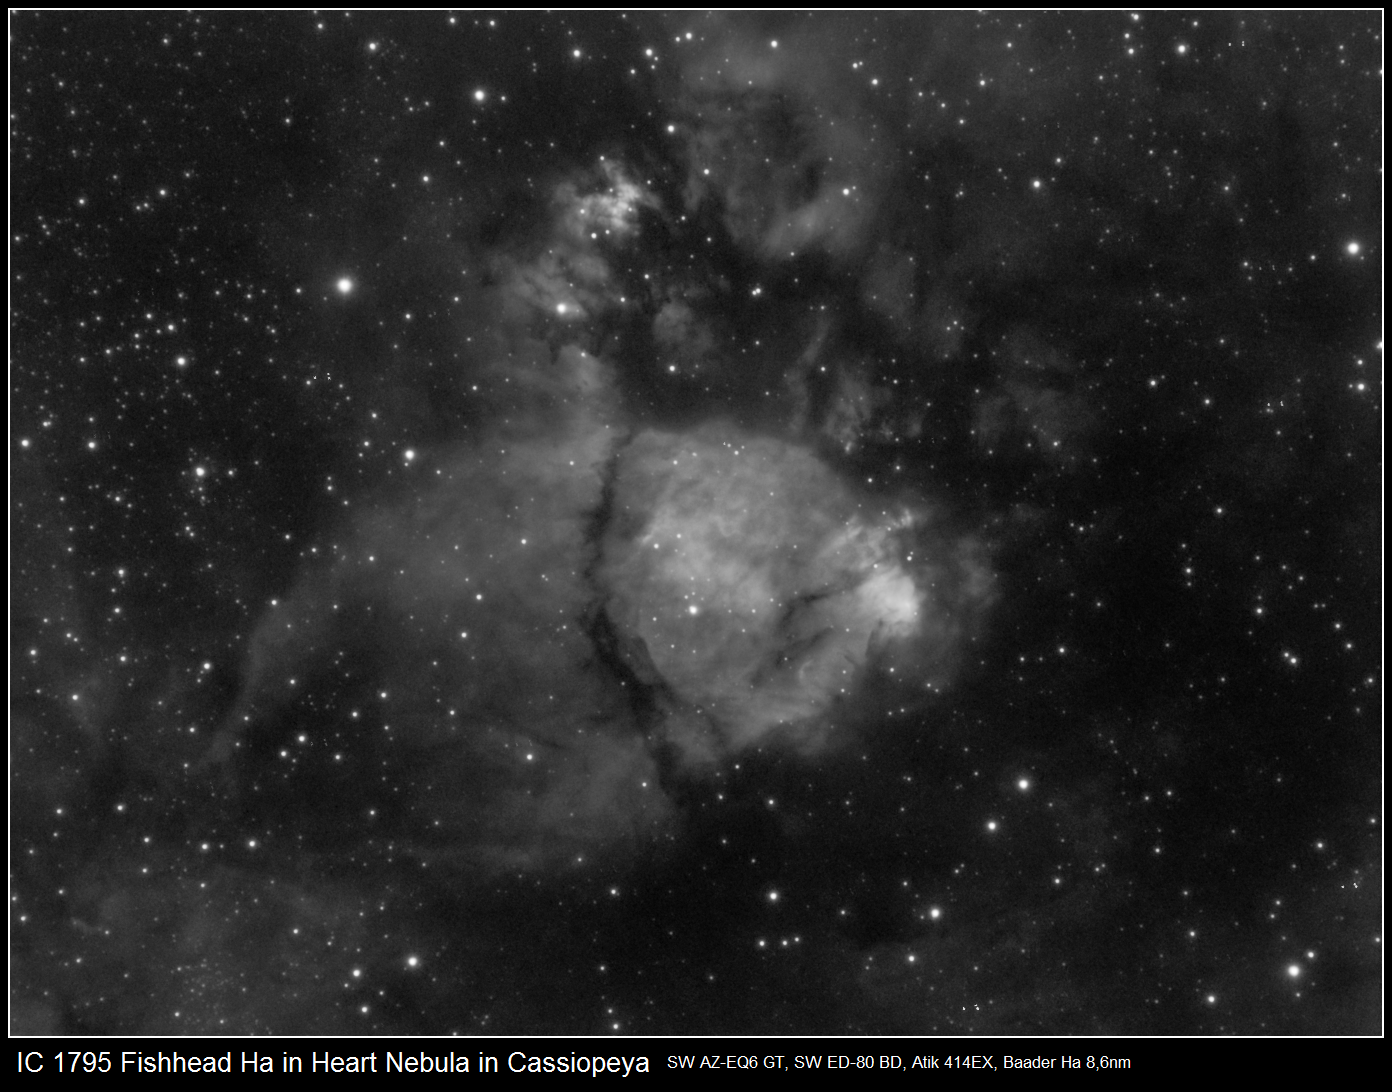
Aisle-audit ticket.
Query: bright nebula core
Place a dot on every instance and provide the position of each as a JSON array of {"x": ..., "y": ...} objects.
[{"x": 753, "y": 585}]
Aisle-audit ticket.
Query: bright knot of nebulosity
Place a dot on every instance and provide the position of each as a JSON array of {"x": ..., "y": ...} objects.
[{"x": 743, "y": 573}]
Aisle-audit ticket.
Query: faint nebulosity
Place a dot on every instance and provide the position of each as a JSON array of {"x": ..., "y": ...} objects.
[{"x": 693, "y": 523}]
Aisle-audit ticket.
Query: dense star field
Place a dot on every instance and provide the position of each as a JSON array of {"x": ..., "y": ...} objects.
[{"x": 695, "y": 523}]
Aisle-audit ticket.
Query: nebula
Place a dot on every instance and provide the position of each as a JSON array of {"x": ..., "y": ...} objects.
[
  {"x": 603, "y": 601},
  {"x": 753, "y": 583}
]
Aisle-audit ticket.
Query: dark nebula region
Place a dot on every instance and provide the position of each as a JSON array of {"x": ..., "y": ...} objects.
[{"x": 695, "y": 523}]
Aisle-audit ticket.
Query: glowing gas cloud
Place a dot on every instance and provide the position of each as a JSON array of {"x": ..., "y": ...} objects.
[{"x": 753, "y": 587}]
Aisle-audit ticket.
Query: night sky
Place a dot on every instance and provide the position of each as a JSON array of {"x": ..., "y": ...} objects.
[{"x": 549, "y": 523}]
